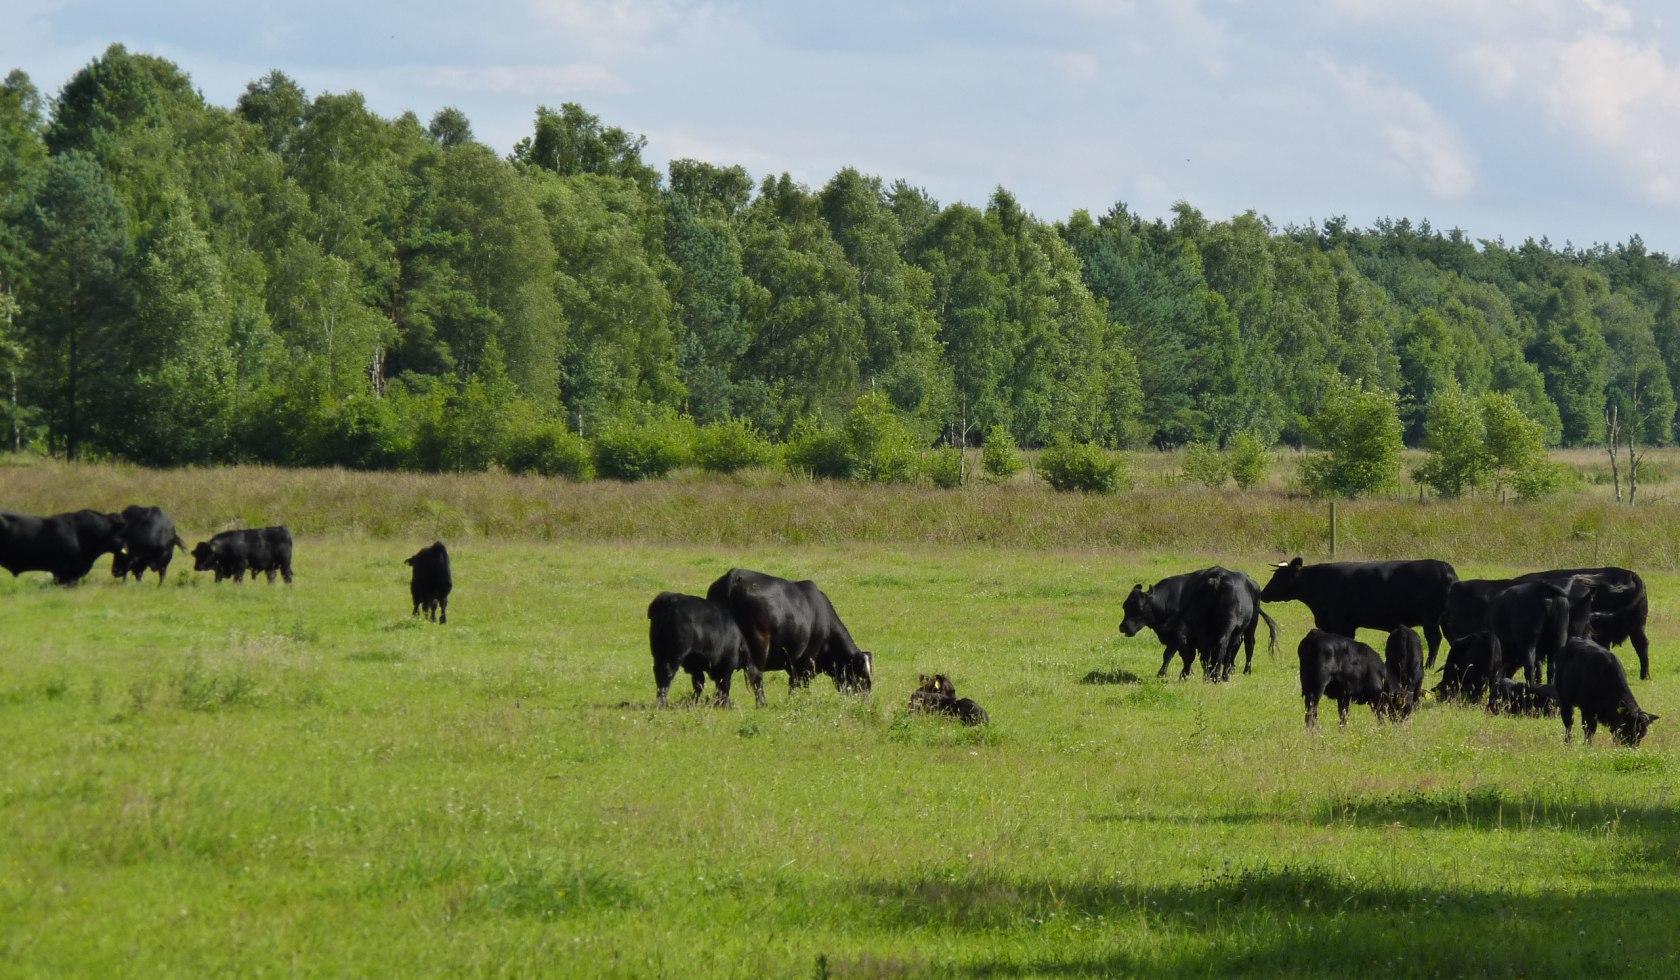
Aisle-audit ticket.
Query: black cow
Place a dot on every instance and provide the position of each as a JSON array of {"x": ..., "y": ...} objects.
[
  {"x": 231, "y": 554},
  {"x": 1403, "y": 661},
  {"x": 1474, "y": 662},
  {"x": 697, "y": 635},
  {"x": 937, "y": 695},
  {"x": 1343, "y": 668},
  {"x": 1347, "y": 595},
  {"x": 66, "y": 545},
  {"x": 1590, "y": 677},
  {"x": 1534, "y": 619},
  {"x": 791, "y": 626},
  {"x": 1620, "y": 607},
  {"x": 1515, "y": 697},
  {"x": 1469, "y": 601},
  {"x": 149, "y": 541},
  {"x": 430, "y": 584},
  {"x": 1209, "y": 610}
]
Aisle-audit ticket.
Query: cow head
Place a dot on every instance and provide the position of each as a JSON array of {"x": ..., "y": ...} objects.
[
  {"x": 121, "y": 561},
  {"x": 1140, "y": 610},
  {"x": 853, "y": 673},
  {"x": 1284, "y": 582},
  {"x": 936, "y": 684},
  {"x": 204, "y": 557},
  {"x": 1630, "y": 725}
]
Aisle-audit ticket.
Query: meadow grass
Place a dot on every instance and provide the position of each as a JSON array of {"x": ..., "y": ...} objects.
[{"x": 203, "y": 779}]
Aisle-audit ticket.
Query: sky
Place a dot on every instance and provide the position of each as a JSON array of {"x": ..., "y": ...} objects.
[{"x": 1508, "y": 119}]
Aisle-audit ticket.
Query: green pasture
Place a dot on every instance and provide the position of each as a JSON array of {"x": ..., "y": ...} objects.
[{"x": 202, "y": 780}]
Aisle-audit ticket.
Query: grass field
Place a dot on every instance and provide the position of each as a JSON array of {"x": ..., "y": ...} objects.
[{"x": 210, "y": 779}]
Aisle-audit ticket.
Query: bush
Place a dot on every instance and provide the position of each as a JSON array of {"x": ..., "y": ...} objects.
[
  {"x": 819, "y": 452},
  {"x": 1249, "y": 460},
  {"x": 944, "y": 467},
  {"x": 549, "y": 449},
  {"x": 1081, "y": 467},
  {"x": 1000, "y": 458},
  {"x": 882, "y": 449},
  {"x": 1359, "y": 435},
  {"x": 632, "y": 451},
  {"x": 1456, "y": 437},
  {"x": 1541, "y": 480},
  {"x": 1203, "y": 464},
  {"x": 734, "y": 444}
]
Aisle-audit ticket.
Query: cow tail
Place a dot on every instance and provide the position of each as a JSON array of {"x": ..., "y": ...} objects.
[
  {"x": 1271, "y": 628},
  {"x": 178, "y": 543}
]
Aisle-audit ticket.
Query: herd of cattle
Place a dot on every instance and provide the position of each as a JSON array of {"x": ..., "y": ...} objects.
[
  {"x": 1556, "y": 626},
  {"x": 144, "y": 538}
]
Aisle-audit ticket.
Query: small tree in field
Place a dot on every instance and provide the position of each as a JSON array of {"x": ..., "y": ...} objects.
[
  {"x": 1249, "y": 459},
  {"x": 1516, "y": 450},
  {"x": 1000, "y": 458},
  {"x": 1203, "y": 464},
  {"x": 1455, "y": 434},
  {"x": 1359, "y": 438}
]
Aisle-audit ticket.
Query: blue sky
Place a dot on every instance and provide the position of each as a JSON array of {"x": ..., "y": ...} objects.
[{"x": 1506, "y": 118}]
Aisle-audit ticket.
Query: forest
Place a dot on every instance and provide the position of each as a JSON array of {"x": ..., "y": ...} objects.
[{"x": 295, "y": 280}]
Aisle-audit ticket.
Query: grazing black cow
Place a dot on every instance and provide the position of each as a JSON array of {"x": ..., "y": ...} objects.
[
  {"x": 1474, "y": 662},
  {"x": 1403, "y": 661},
  {"x": 937, "y": 695},
  {"x": 231, "y": 554},
  {"x": 1516, "y": 698},
  {"x": 1337, "y": 666},
  {"x": 791, "y": 626},
  {"x": 66, "y": 545},
  {"x": 1620, "y": 607},
  {"x": 1209, "y": 610},
  {"x": 1590, "y": 677},
  {"x": 430, "y": 584},
  {"x": 1534, "y": 619},
  {"x": 697, "y": 635},
  {"x": 149, "y": 541},
  {"x": 1347, "y": 595}
]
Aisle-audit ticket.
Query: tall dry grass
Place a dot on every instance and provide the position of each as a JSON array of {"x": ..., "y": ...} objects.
[{"x": 1159, "y": 514}]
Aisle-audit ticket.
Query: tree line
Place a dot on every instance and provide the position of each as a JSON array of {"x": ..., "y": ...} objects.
[{"x": 296, "y": 280}]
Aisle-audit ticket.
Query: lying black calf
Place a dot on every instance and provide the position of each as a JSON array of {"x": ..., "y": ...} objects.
[{"x": 938, "y": 695}]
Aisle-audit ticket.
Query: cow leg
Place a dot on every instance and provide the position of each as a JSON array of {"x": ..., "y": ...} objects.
[
  {"x": 1166, "y": 661},
  {"x": 662, "y": 674},
  {"x": 1432, "y": 633},
  {"x": 755, "y": 680},
  {"x": 443, "y": 610},
  {"x": 698, "y": 677},
  {"x": 1567, "y": 710},
  {"x": 1641, "y": 647},
  {"x": 1248, "y": 648},
  {"x": 1342, "y": 705},
  {"x": 1311, "y": 700},
  {"x": 1589, "y": 725},
  {"x": 1189, "y": 656},
  {"x": 721, "y": 680}
]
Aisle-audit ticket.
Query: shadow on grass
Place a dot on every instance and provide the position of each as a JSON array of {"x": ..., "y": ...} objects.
[
  {"x": 1289, "y": 920},
  {"x": 1118, "y": 675}
]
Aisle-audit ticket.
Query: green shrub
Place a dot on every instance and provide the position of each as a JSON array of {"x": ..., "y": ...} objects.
[
  {"x": 724, "y": 447},
  {"x": 640, "y": 451},
  {"x": 1360, "y": 439},
  {"x": 1203, "y": 464},
  {"x": 1455, "y": 435},
  {"x": 944, "y": 467},
  {"x": 819, "y": 452},
  {"x": 1081, "y": 467},
  {"x": 882, "y": 448},
  {"x": 1540, "y": 480},
  {"x": 1249, "y": 459},
  {"x": 1000, "y": 458},
  {"x": 549, "y": 449}
]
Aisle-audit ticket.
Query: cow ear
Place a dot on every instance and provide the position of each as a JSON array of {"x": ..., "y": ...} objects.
[
  {"x": 1650, "y": 717},
  {"x": 1296, "y": 563}
]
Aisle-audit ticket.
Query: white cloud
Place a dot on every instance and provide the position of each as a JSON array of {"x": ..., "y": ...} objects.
[{"x": 1425, "y": 145}]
